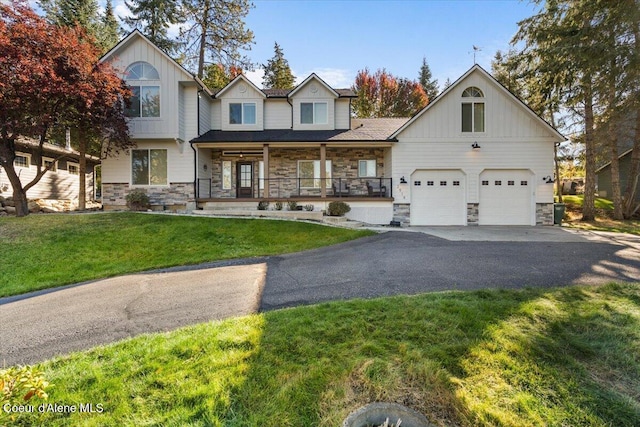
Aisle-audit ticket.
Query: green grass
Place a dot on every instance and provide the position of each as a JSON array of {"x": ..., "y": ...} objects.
[
  {"x": 43, "y": 251},
  {"x": 555, "y": 357},
  {"x": 576, "y": 202},
  {"x": 603, "y": 221}
]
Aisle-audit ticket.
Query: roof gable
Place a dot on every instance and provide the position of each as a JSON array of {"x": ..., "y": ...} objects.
[
  {"x": 461, "y": 83},
  {"x": 136, "y": 36},
  {"x": 240, "y": 80},
  {"x": 313, "y": 77}
]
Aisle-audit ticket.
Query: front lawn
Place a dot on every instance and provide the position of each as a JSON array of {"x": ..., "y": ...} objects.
[
  {"x": 554, "y": 357},
  {"x": 44, "y": 251}
]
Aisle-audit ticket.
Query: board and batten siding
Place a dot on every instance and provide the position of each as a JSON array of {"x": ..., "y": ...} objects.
[
  {"x": 242, "y": 92},
  {"x": 205, "y": 114},
  {"x": 342, "y": 113},
  {"x": 514, "y": 138},
  {"x": 165, "y": 126}
]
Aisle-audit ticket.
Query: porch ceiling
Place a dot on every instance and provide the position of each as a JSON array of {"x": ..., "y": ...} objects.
[{"x": 257, "y": 145}]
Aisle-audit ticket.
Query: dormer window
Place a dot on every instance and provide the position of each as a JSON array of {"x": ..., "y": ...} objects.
[
  {"x": 314, "y": 113},
  {"x": 472, "y": 110},
  {"x": 242, "y": 113},
  {"x": 144, "y": 82}
]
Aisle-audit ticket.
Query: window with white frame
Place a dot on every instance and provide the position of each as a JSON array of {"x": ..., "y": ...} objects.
[
  {"x": 22, "y": 160},
  {"x": 144, "y": 82},
  {"x": 73, "y": 168},
  {"x": 366, "y": 168},
  {"x": 314, "y": 113},
  {"x": 473, "y": 117},
  {"x": 242, "y": 113},
  {"x": 309, "y": 173},
  {"x": 48, "y": 162},
  {"x": 149, "y": 167}
]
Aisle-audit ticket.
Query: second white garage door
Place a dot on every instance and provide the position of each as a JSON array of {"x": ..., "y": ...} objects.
[
  {"x": 438, "y": 197},
  {"x": 506, "y": 197}
]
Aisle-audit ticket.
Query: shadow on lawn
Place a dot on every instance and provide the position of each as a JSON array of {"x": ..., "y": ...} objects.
[{"x": 531, "y": 357}]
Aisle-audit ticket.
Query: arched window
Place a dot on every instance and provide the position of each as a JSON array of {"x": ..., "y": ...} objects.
[
  {"x": 144, "y": 82},
  {"x": 141, "y": 71},
  {"x": 472, "y": 92},
  {"x": 473, "y": 110}
]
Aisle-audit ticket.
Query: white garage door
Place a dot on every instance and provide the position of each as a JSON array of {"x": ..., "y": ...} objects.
[
  {"x": 506, "y": 197},
  {"x": 438, "y": 197}
]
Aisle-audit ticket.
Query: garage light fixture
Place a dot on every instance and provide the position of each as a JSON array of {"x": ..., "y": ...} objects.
[
  {"x": 403, "y": 181},
  {"x": 547, "y": 179},
  {"x": 475, "y": 145}
]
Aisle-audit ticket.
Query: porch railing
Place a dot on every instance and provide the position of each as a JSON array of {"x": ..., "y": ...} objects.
[{"x": 304, "y": 187}]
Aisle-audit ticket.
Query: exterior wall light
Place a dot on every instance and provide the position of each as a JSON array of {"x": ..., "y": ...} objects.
[
  {"x": 403, "y": 181},
  {"x": 547, "y": 179},
  {"x": 475, "y": 145}
]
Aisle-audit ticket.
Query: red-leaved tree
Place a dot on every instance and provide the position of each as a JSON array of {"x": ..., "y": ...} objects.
[
  {"x": 50, "y": 76},
  {"x": 384, "y": 95}
]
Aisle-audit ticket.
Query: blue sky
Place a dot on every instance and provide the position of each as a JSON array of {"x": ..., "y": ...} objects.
[{"x": 337, "y": 38}]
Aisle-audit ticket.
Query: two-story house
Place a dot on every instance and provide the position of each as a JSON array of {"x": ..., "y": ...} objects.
[{"x": 243, "y": 143}]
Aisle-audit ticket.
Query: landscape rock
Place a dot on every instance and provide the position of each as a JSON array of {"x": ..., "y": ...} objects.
[{"x": 10, "y": 210}]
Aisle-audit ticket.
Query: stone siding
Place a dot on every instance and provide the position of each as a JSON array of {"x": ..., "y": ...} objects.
[
  {"x": 472, "y": 214},
  {"x": 402, "y": 213},
  {"x": 283, "y": 170},
  {"x": 177, "y": 194},
  {"x": 544, "y": 213}
]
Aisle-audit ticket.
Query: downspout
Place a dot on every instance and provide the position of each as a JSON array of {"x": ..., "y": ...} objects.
[
  {"x": 195, "y": 152},
  {"x": 289, "y": 102}
]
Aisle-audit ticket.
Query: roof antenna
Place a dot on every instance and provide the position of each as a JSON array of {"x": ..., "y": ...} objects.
[{"x": 475, "y": 50}]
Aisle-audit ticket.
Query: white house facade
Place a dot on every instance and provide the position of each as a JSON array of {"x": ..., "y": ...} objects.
[{"x": 242, "y": 144}]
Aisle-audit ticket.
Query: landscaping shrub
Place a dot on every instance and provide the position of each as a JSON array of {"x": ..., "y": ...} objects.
[
  {"x": 309, "y": 208},
  {"x": 137, "y": 200},
  {"x": 18, "y": 385},
  {"x": 338, "y": 208},
  {"x": 263, "y": 205},
  {"x": 278, "y": 205},
  {"x": 292, "y": 205}
]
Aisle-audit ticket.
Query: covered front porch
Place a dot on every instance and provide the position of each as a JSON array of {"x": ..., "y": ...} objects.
[{"x": 282, "y": 172}]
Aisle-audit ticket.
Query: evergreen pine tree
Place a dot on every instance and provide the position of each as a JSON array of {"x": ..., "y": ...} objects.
[
  {"x": 277, "y": 73},
  {"x": 110, "y": 31},
  {"x": 429, "y": 85},
  {"x": 153, "y": 18}
]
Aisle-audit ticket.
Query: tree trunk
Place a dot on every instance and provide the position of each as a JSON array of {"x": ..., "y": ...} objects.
[
  {"x": 588, "y": 206},
  {"x": 612, "y": 129},
  {"x": 82, "y": 170},
  {"x": 631, "y": 190},
  {"x": 204, "y": 26}
]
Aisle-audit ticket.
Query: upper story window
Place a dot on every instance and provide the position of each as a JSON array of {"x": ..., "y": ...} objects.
[
  {"x": 242, "y": 113},
  {"x": 472, "y": 110},
  {"x": 22, "y": 160},
  {"x": 145, "y": 88},
  {"x": 48, "y": 162},
  {"x": 314, "y": 113},
  {"x": 73, "y": 168}
]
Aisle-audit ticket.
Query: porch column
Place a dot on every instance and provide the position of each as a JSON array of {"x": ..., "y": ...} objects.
[
  {"x": 265, "y": 160},
  {"x": 323, "y": 170}
]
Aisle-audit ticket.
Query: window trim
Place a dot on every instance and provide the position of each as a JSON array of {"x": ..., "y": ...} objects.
[
  {"x": 149, "y": 184},
  {"x": 26, "y": 156},
  {"x": 474, "y": 97},
  {"x": 316, "y": 179},
  {"x": 314, "y": 113},
  {"x": 74, "y": 164},
  {"x": 242, "y": 113},
  {"x": 367, "y": 163},
  {"x": 52, "y": 160}
]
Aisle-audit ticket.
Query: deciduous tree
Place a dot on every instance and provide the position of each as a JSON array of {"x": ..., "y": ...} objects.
[
  {"x": 384, "y": 95},
  {"x": 50, "y": 75}
]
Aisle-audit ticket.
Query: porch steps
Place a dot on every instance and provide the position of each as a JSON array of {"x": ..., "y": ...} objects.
[
  {"x": 341, "y": 221},
  {"x": 233, "y": 206}
]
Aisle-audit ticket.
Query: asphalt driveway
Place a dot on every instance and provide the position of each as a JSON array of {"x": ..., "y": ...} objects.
[{"x": 37, "y": 327}]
